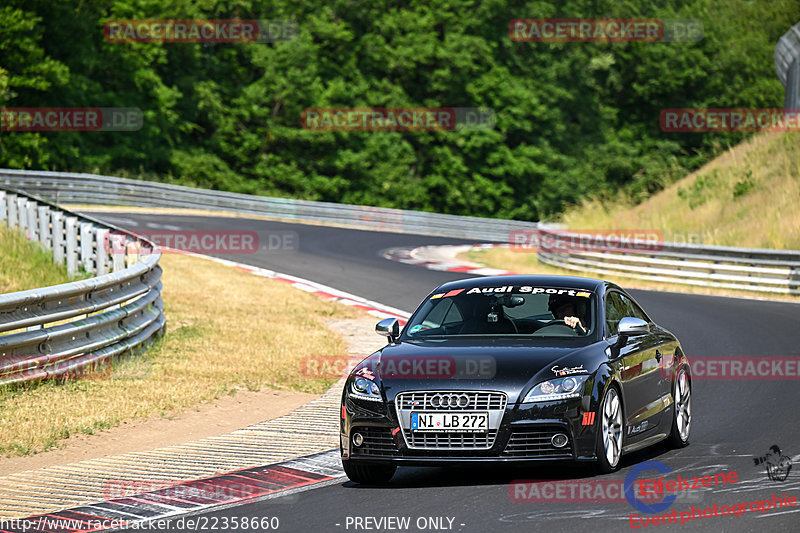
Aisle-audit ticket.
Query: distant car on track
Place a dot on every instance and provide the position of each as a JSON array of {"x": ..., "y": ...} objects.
[{"x": 515, "y": 369}]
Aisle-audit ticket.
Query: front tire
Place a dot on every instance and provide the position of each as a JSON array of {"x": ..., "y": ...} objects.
[
  {"x": 368, "y": 474},
  {"x": 609, "y": 436},
  {"x": 682, "y": 409}
]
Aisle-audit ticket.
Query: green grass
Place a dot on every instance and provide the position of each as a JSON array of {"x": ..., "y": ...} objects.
[{"x": 25, "y": 265}]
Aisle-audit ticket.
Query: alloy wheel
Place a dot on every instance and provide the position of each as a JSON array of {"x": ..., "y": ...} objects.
[
  {"x": 683, "y": 406},
  {"x": 612, "y": 427}
]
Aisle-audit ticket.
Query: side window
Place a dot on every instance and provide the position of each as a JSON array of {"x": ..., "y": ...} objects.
[
  {"x": 631, "y": 309},
  {"x": 453, "y": 315},
  {"x": 615, "y": 310},
  {"x": 436, "y": 315},
  {"x": 444, "y": 312}
]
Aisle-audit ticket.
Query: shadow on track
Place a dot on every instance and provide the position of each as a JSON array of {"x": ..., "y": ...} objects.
[{"x": 504, "y": 474}]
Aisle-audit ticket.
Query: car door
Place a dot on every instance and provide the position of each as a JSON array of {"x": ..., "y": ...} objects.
[{"x": 637, "y": 365}]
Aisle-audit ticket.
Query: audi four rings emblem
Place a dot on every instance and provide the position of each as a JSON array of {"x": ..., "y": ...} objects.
[{"x": 450, "y": 400}]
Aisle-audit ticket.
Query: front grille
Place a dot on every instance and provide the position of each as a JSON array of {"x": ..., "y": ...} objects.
[
  {"x": 536, "y": 443},
  {"x": 478, "y": 401},
  {"x": 378, "y": 442},
  {"x": 452, "y": 441},
  {"x": 494, "y": 402}
]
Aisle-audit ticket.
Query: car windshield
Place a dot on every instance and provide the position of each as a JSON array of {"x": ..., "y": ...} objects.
[{"x": 507, "y": 310}]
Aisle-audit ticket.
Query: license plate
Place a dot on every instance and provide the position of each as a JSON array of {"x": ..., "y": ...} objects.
[{"x": 454, "y": 421}]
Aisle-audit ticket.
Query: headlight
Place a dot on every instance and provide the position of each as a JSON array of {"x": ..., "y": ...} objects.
[
  {"x": 365, "y": 389},
  {"x": 557, "y": 389}
]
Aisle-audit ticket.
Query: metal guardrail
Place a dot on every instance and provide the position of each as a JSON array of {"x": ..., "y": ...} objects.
[
  {"x": 77, "y": 328},
  {"x": 787, "y": 65},
  {"x": 90, "y": 189},
  {"x": 750, "y": 269},
  {"x": 689, "y": 264}
]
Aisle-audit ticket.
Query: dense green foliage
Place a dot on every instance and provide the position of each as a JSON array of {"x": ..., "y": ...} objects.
[{"x": 573, "y": 119}]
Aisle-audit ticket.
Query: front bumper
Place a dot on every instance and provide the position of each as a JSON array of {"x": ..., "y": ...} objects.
[{"x": 524, "y": 435}]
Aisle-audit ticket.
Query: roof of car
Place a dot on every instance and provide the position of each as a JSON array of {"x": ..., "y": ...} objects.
[{"x": 576, "y": 282}]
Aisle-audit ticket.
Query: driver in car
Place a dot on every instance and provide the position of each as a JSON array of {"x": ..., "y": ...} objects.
[{"x": 567, "y": 308}]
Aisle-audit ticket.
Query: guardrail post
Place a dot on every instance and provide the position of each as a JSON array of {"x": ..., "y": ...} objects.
[
  {"x": 44, "y": 226},
  {"x": 87, "y": 246},
  {"x": 11, "y": 202},
  {"x": 58, "y": 237},
  {"x": 794, "y": 275},
  {"x": 33, "y": 222},
  {"x": 58, "y": 315},
  {"x": 132, "y": 249},
  {"x": 118, "y": 249},
  {"x": 792, "y": 96},
  {"x": 71, "y": 245},
  {"x": 102, "y": 244},
  {"x": 22, "y": 217}
]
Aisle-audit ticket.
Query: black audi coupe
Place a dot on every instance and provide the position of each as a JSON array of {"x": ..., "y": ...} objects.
[{"x": 515, "y": 369}]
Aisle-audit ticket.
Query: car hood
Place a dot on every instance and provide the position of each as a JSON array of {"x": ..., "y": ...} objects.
[{"x": 510, "y": 365}]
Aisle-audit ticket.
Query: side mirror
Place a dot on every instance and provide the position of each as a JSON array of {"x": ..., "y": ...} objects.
[
  {"x": 628, "y": 327},
  {"x": 388, "y": 327},
  {"x": 631, "y": 327}
]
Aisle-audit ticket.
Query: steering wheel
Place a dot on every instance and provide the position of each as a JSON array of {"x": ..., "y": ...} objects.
[{"x": 563, "y": 323}]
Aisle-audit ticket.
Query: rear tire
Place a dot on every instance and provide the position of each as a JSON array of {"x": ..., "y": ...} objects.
[
  {"x": 609, "y": 432},
  {"x": 368, "y": 474},
  {"x": 682, "y": 410}
]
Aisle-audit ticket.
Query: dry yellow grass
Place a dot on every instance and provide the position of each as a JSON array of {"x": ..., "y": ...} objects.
[
  {"x": 523, "y": 262},
  {"x": 227, "y": 330},
  {"x": 747, "y": 197}
]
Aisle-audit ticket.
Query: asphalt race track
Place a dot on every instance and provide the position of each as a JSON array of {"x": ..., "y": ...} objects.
[{"x": 733, "y": 421}]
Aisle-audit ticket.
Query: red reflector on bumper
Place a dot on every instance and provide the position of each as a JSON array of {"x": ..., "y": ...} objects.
[{"x": 588, "y": 419}]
